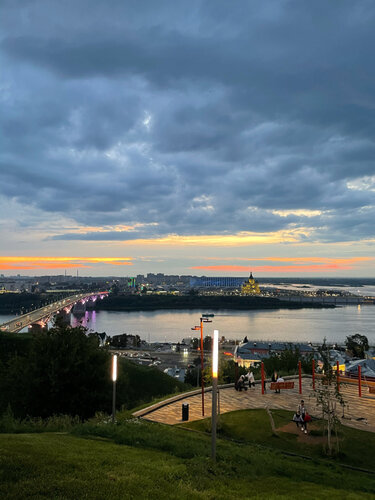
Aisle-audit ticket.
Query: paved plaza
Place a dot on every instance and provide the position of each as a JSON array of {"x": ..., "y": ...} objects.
[{"x": 359, "y": 412}]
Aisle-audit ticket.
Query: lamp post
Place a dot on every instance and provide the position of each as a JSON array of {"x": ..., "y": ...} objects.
[
  {"x": 203, "y": 319},
  {"x": 215, "y": 363},
  {"x": 114, "y": 378}
]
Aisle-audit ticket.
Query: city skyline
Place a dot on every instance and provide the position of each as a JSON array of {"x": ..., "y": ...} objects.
[{"x": 200, "y": 138}]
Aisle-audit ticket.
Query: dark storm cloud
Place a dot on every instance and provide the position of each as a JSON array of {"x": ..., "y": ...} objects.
[{"x": 200, "y": 117}]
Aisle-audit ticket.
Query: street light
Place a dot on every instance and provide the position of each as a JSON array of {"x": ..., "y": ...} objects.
[
  {"x": 114, "y": 378},
  {"x": 215, "y": 364},
  {"x": 203, "y": 319}
]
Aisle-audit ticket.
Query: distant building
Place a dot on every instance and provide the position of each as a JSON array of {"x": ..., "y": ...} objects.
[
  {"x": 215, "y": 282},
  {"x": 125, "y": 341},
  {"x": 250, "y": 286},
  {"x": 367, "y": 368},
  {"x": 370, "y": 354},
  {"x": 252, "y": 353}
]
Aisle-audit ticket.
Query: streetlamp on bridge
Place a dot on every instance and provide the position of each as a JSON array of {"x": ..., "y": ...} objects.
[{"x": 203, "y": 319}]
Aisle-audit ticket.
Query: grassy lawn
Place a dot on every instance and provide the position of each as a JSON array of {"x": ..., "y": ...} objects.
[
  {"x": 144, "y": 460},
  {"x": 253, "y": 426}
]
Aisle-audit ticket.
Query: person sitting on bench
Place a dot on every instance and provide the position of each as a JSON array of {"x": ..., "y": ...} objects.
[
  {"x": 241, "y": 383},
  {"x": 297, "y": 419}
]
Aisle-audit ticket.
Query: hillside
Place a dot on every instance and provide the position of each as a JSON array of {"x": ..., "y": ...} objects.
[{"x": 136, "y": 459}]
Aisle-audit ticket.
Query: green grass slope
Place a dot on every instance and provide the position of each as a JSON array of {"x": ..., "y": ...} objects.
[
  {"x": 253, "y": 426},
  {"x": 143, "y": 460}
]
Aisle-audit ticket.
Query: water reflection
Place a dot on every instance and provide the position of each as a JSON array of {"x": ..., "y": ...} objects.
[{"x": 307, "y": 325}]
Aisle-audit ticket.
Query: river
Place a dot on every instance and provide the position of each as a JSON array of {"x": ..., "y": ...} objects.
[{"x": 294, "y": 325}]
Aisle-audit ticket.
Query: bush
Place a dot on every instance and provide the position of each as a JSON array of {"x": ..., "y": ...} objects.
[{"x": 57, "y": 423}]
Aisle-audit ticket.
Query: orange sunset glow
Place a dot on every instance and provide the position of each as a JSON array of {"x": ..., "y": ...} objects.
[
  {"x": 301, "y": 264},
  {"x": 322, "y": 260},
  {"x": 24, "y": 263}
]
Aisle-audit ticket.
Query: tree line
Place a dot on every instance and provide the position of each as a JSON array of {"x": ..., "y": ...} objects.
[{"x": 65, "y": 371}]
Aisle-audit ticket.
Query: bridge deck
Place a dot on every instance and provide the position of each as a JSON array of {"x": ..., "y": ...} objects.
[{"x": 44, "y": 313}]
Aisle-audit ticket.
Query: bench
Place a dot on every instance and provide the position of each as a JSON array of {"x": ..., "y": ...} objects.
[
  {"x": 371, "y": 390},
  {"x": 281, "y": 385}
]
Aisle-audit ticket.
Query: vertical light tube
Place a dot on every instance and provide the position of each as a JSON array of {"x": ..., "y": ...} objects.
[
  {"x": 215, "y": 354},
  {"x": 114, "y": 368},
  {"x": 114, "y": 379},
  {"x": 215, "y": 363}
]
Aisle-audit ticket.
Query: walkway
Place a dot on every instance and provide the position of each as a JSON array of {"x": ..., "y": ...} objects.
[{"x": 359, "y": 413}]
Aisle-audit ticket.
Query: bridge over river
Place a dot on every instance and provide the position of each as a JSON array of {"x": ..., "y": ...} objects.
[{"x": 39, "y": 318}]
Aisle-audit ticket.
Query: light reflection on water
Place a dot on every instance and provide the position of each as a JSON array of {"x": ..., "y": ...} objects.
[{"x": 290, "y": 325}]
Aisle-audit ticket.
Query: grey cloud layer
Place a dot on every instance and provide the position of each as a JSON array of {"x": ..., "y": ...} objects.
[{"x": 202, "y": 117}]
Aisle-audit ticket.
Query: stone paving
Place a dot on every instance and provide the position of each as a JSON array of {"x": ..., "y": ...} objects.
[{"x": 359, "y": 413}]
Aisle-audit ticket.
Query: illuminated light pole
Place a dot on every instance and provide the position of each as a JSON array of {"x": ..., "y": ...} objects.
[
  {"x": 114, "y": 378},
  {"x": 215, "y": 364},
  {"x": 203, "y": 319}
]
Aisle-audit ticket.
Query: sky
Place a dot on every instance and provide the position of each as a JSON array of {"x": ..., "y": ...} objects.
[{"x": 193, "y": 137}]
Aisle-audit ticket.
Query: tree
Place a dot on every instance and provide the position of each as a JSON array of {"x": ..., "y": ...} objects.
[
  {"x": 192, "y": 375},
  {"x": 115, "y": 289},
  {"x": 195, "y": 343},
  {"x": 286, "y": 361},
  {"x": 64, "y": 372},
  {"x": 228, "y": 371},
  {"x": 327, "y": 397},
  {"x": 207, "y": 343},
  {"x": 356, "y": 345}
]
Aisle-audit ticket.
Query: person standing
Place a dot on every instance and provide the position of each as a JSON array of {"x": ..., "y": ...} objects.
[
  {"x": 303, "y": 415},
  {"x": 274, "y": 379},
  {"x": 251, "y": 379}
]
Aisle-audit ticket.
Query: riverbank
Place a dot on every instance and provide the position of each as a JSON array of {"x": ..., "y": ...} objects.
[{"x": 202, "y": 302}]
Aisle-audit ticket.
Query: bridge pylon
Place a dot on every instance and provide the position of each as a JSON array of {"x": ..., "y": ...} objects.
[
  {"x": 38, "y": 327},
  {"x": 63, "y": 316},
  {"x": 79, "y": 308}
]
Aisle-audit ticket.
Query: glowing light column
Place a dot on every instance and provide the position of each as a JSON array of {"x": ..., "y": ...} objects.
[
  {"x": 215, "y": 364},
  {"x": 114, "y": 379}
]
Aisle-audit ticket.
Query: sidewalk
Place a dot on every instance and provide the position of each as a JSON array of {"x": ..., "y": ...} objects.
[{"x": 359, "y": 412}]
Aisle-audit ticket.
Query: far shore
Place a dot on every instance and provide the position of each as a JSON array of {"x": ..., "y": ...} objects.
[
  {"x": 200, "y": 302},
  {"x": 14, "y": 304}
]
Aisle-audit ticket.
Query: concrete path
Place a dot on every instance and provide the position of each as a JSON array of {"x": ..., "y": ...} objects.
[{"x": 359, "y": 413}]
